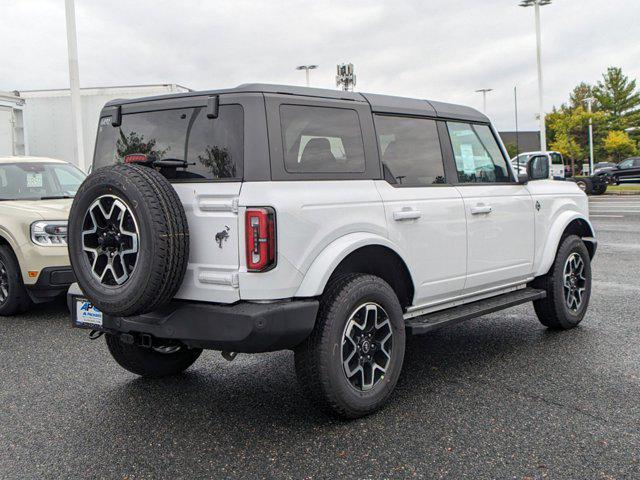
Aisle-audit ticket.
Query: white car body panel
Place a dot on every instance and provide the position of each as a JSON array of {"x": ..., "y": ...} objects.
[
  {"x": 310, "y": 216},
  {"x": 212, "y": 272},
  {"x": 501, "y": 241},
  {"x": 560, "y": 204},
  {"x": 435, "y": 243}
]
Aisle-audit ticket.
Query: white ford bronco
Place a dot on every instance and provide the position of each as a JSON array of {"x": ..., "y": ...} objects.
[{"x": 331, "y": 223}]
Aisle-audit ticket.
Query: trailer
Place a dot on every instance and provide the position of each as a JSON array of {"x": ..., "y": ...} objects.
[
  {"x": 13, "y": 136},
  {"x": 48, "y": 116}
]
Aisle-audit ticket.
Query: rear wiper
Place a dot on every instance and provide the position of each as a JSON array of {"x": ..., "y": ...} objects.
[
  {"x": 55, "y": 197},
  {"x": 171, "y": 163}
]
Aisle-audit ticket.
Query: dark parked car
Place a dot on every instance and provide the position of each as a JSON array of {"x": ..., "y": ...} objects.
[
  {"x": 627, "y": 170},
  {"x": 602, "y": 165}
]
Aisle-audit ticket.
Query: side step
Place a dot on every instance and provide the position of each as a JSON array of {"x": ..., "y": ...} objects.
[{"x": 450, "y": 316}]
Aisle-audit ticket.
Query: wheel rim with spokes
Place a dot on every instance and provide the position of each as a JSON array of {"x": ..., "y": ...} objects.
[
  {"x": 574, "y": 282},
  {"x": 367, "y": 342},
  {"x": 4, "y": 283},
  {"x": 110, "y": 240}
]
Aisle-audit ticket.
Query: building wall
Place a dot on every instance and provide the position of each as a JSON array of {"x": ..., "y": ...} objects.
[
  {"x": 527, "y": 141},
  {"x": 48, "y": 116}
]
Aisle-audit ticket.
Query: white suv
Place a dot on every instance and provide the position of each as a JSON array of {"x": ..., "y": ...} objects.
[{"x": 332, "y": 223}]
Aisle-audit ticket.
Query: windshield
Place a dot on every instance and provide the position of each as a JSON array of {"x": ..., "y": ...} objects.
[
  {"x": 37, "y": 181},
  {"x": 522, "y": 159}
]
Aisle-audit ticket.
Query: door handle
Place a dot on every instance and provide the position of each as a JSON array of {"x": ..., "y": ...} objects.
[
  {"x": 406, "y": 214},
  {"x": 480, "y": 208}
]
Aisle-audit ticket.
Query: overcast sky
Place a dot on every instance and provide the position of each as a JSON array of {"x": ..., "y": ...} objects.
[{"x": 434, "y": 49}]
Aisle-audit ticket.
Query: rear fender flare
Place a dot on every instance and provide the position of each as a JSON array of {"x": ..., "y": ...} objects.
[{"x": 318, "y": 274}]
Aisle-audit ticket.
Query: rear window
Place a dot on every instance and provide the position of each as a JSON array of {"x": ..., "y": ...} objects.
[
  {"x": 321, "y": 140},
  {"x": 210, "y": 149}
]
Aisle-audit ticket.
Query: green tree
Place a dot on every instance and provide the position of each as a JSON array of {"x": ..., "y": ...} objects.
[
  {"x": 134, "y": 143},
  {"x": 579, "y": 95},
  {"x": 618, "y": 144},
  {"x": 617, "y": 95},
  {"x": 512, "y": 149},
  {"x": 218, "y": 161}
]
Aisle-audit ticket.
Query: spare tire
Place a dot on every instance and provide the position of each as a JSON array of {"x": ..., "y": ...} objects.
[{"x": 128, "y": 239}]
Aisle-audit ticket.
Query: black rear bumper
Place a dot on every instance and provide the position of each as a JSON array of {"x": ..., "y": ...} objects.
[{"x": 241, "y": 327}]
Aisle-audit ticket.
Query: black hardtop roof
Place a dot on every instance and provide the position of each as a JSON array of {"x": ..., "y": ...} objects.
[{"x": 379, "y": 103}]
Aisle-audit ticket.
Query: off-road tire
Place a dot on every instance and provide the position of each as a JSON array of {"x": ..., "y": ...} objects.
[
  {"x": 148, "y": 362},
  {"x": 552, "y": 311},
  {"x": 18, "y": 300},
  {"x": 585, "y": 184},
  {"x": 163, "y": 239},
  {"x": 318, "y": 360},
  {"x": 599, "y": 189}
]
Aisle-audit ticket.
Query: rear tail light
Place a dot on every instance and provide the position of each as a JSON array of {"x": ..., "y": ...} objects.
[{"x": 260, "y": 231}]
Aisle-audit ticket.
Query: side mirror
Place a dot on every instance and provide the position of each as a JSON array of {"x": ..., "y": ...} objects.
[
  {"x": 523, "y": 178},
  {"x": 538, "y": 168}
]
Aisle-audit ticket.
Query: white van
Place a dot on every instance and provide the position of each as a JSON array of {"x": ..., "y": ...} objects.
[{"x": 556, "y": 162}]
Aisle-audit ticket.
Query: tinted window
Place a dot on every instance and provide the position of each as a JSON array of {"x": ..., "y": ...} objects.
[
  {"x": 410, "y": 150},
  {"x": 556, "y": 158},
  {"x": 478, "y": 156},
  {"x": 626, "y": 163},
  {"x": 210, "y": 149},
  {"x": 33, "y": 181},
  {"x": 321, "y": 140}
]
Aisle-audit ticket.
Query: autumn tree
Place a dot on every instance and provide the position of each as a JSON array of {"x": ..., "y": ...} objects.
[{"x": 618, "y": 144}]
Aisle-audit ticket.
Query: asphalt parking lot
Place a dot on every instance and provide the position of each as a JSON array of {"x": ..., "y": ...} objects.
[{"x": 496, "y": 397}]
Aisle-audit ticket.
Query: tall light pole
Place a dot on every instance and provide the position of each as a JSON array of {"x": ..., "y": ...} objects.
[
  {"x": 484, "y": 92},
  {"x": 537, "y": 4},
  {"x": 589, "y": 103},
  {"x": 74, "y": 84},
  {"x": 306, "y": 69}
]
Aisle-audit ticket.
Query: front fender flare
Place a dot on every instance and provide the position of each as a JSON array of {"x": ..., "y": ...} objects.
[
  {"x": 317, "y": 276},
  {"x": 553, "y": 239}
]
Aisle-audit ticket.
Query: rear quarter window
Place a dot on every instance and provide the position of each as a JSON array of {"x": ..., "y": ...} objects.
[
  {"x": 212, "y": 149},
  {"x": 321, "y": 140}
]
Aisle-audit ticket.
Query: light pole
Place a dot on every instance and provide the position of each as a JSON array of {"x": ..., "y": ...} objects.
[
  {"x": 537, "y": 4},
  {"x": 74, "y": 83},
  {"x": 484, "y": 92},
  {"x": 589, "y": 103},
  {"x": 306, "y": 69}
]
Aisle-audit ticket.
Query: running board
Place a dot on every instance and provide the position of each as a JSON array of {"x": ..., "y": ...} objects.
[{"x": 451, "y": 316}]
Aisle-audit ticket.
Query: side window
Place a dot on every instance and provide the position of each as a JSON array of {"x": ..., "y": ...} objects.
[
  {"x": 478, "y": 156},
  {"x": 410, "y": 150},
  {"x": 321, "y": 140},
  {"x": 556, "y": 159},
  {"x": 626, "y": 164}
]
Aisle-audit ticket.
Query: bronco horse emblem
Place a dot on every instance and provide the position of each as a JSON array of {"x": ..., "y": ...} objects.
[{"x": 222, "y": 236}]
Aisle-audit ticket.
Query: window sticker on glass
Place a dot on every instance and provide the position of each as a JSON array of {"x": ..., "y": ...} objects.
[
  {"x": 468, "y": 163},
  {"x": 34, "y": 180}
]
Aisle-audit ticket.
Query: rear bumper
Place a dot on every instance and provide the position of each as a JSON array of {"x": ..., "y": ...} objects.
[
  {"x": 241, "y": 327},
  {"x": 52, "y": 282}
]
